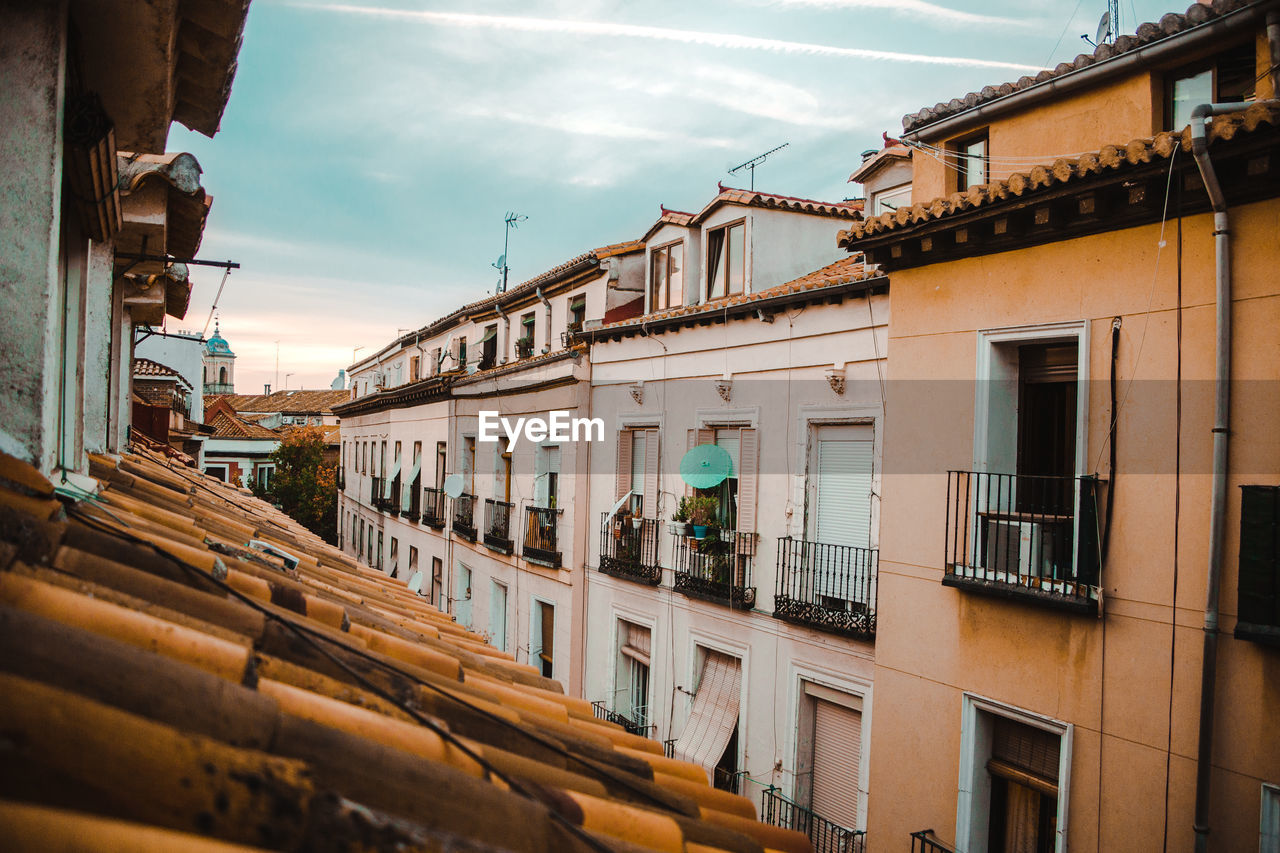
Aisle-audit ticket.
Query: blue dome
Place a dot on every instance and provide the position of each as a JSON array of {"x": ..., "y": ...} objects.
[{"x": 216, "y": 345}]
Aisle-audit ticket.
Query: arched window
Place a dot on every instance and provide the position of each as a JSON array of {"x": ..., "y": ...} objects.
[{"x": 222, "y": 375}]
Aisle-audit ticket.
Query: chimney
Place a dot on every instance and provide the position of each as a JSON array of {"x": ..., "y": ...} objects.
[{"x": 266, "y": 389}]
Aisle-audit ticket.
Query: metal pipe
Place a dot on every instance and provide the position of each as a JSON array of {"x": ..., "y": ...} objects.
[
  {"x": 1207, "y": 35},
  {"x": 506, "y": 330},
  {"x": 1221, "y": 440}
]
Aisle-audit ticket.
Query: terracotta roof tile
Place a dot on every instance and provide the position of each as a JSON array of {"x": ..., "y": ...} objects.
[
  {"x": 301, "y": 401},
  {"x": 1158, "y": 147},
  {"x": 230, "y": 426},
  {"x": 1169, "y": 25},
  {"x": 147, "y": 367},
  {"x": 191, "y": 687}
]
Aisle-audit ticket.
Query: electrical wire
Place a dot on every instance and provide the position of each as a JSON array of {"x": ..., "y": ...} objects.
[{"x": 1062, "y": 34}]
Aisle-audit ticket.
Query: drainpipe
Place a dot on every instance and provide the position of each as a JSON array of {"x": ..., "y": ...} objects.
[
  {"x": 1273, "y": 40},
  {"x": 547, "y": 303},
  {"x": 506, "y": 331},
  {"x": 1221, "y": 439}
]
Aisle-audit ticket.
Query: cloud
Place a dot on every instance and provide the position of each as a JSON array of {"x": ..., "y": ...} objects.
[
  {"x": 915, "y": 9},
  {"x": 600, "y": 125},
  {"x": 600, "y": 29}
]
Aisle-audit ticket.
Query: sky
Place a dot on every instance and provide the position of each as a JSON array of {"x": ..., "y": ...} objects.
[{"x": 371, "y": 148}]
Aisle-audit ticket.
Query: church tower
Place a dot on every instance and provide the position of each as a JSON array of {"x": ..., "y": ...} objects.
[{"x": 219, "y": 365}]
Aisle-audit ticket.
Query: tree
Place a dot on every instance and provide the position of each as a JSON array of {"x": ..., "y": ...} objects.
[{"x": 302, "y": 485}]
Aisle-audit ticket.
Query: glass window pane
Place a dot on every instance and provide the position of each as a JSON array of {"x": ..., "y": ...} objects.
[
  {"x": 1188, "y": 93},
  {"x": 976, "y": 163},
  {"x": 657, "y": 295},
  {"x": 675, "y": 266},
  {"x": 736, "y": 257},
  {"x": 715, "y": 264}
]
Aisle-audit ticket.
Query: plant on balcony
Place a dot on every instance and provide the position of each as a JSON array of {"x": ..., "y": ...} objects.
[
  {"x": 620, "y": 521},
  {"x": 524, "y": 347},
  {"x": 703, "y": 512},
  {"x": 680, "y": 518},
  {"x": 717, "y": 552},
  {"x": 575, "y": 327}
]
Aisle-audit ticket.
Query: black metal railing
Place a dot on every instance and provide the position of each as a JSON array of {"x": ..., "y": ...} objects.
[
  {"x": 1024, "y": 534},
  {"x": 669, "y": 747},
  {"x": 464, "y": 516},
  {"x": 925, "y": 841},
  {"x": 412, "y": 508},
  {"x": 826, "y": 836},
  {"x": 630, "y": 551},
  {"x": 832, "y": 587},
  {"x": 433, "y": 507},
  {"x": 393, "y": 500},
  {"x": 733, "y": 781},
  {"x": 497, "y": 525},
  {"x": 541, "y": 540},
  {"x": 636, "y": 726},
  {"x": 716, "y": 567}
]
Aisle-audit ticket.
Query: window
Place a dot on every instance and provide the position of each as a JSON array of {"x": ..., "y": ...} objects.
[
  {"x": 1259, "y": 603},
  {"x": 489, "y": 347},
  {"x": 462, "y": 596},
  {"x": 546, "y": 486},
  {"x": 736, "y": 495},
  {"x": 264, "y": 476},
  {"x": 839, "y": 485},
  {"x": 829, "y": 754},
  {"x": 969, "y": 158},
  {"x": 726, "y": 260},
  {"x": 666, "y": 276},
  {"x": 889, "y": 200},
  {"x": 528, "y": 335},
  {"x": 577, "y": 311},
  {"x": 710, "y": 735},
  {"x": 437, "y": 582},
  {"x": 542, "y": 634},
  {"x": 395, "y": 557},
  {"x": 461, "y": 355},
  {"x": 378, "y": 564},
  {"x": 498, "y": 616},
  {"x": 631, "y": 678},
  {"x": 217, "y": 471},
  {"x": 442, "y": 464},
  {"x": 1228, "y": 78},
  {"x": 1014, "y": 773},
  {"x": 415, "y": 368},
  {"x": 637, "y": 470},
  {"x": 1269, "y": 825},
  {"x": 468, "y": 465}
]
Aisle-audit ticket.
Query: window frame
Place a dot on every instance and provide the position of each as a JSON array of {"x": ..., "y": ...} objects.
[
  {"x": 878, "y": 196},
  {"x": 1212, "y": 65},
  {"x": 725, "y": 228},
  {"x": 652, "y": 291},
  {"x": 959, "y": 150}
]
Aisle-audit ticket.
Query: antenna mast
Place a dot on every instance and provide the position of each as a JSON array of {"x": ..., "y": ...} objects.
[
  {"x": 512, "y": 220},
  {"x": 756, "y": 161}
]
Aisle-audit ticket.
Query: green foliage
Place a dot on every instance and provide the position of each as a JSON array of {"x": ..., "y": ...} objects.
[
  {"x": 703, "y": 510},
  {"x": 303, "y": 485},
  {"x": 682, "y": 510}
]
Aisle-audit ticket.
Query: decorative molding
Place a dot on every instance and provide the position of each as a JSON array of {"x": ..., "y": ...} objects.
[
  {"x": 835, "y": 378},
  {"x": 724, "y": 387},
  {"x": 637, "y": 393}
]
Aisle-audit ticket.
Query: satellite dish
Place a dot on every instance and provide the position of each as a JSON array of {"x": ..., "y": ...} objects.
[
  {"x": 453, "y": 485},
  {"x": 501, "y": 261},
  {"x": 706, "y": 466},
  {"x": 415, "y": 583},
  {"x": 1104, "y": 28}
]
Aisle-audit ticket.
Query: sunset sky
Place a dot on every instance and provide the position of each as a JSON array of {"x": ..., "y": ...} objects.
[{"x": 370, "y": 151}]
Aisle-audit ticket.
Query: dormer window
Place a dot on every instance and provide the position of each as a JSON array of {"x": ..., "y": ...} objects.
[
  {"x": 889, "y": 200},
  {"x": 577, "y": 312},
  {"x": 1228, "y": 78},
  {"x": 969, "y": 157},
  {"x": 666, "y": 277},
  {"x": 726, "y": 260}
]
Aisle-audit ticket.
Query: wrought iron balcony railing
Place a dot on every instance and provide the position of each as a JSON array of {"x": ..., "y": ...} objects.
[
  {"x": 717, "y": 567},
  {"x": 541, "y": 539},
  {"x": 375, "y": 493},
  {"x": 497, "y": 525},
  {"x": 825, "y": 835},
  {"x": 832, "y": 587},
  {"x": 636, "y": 724},
  {"x": 732, "y": 781},
  {"x": 464, "y": 516},
  {"x": 392, "y": 501},
  {"x": 925, "y": 841},
  {"x": 1027, "y": 536},
  {"x": 630, "y": 551},
  {"x": 433, "y": 507}
]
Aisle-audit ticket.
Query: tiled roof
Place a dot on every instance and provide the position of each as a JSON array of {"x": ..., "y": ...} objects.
[
  {"x": 1170, "y": 25},
  {"x": 179, "y": 686},
  {"x": 230, "y": 426},
  {"x": 891, "y": 151},
  {"x": 1159, "y": 147},
  {"x": 841, "y": 272},
  {"x": 188, "y": 203},
  {"x": 147, "y": 367},
  {"x": 287, "y": 401},
  {"x": 751, "y": 198}
]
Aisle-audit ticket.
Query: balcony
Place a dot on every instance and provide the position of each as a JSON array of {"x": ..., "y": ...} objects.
[
  {"x": 433, "y": 508},
  {"x": 826, "y": 837},
  {"x": 1021, "y": 536},
  {"x": 637, "y": 726},
  {"x": 412, "y": 510},
  {"x": 830, "y": 587},
  {"x": 541, "y": 542},
  {"x": 497, "y": 526},
  {"x": 375, "y": 494},
  {"x": 717, "y": 568},
  {"x": 392, "y": 503},
  {"x": 925, "y": 841},
  {"x": 464, "y": 516},
  {"x": 628, "y": 551}
]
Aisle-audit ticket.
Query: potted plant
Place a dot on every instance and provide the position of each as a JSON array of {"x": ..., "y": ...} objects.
[
  {"x": 619, "y": 521},
  {"x": 637, "y": 521},
  {"x": 680, "y": 519},
  {"x": 702, "y": 514},
  {"x": 524, "y": 347}
]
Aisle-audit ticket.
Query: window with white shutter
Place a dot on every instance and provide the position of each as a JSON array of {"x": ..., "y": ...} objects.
[{"x": 840, "y": 475}]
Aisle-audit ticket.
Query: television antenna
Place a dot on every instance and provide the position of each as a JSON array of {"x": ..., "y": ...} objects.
[
  {"x": 1108, "y": 25},
  {"x": 756, "y": 161},
  {"x": 512, "y": 220}
]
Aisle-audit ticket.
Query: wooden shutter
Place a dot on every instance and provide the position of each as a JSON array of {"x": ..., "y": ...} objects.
[
  {"x": 651, "y": 473},
  {"x": 1031, "y": 750},
  {"x": 748, "y": 479},
  {"x": 623, "y": 478},
  {"x": 692, "y": 443},
  {"x": 715, "y": 711},
  {"x": 547, "y": 652},
  {"x": 636, "y": 645},
  {"x": 697, "y": 437},
  {"x": 837, "y": 756}
]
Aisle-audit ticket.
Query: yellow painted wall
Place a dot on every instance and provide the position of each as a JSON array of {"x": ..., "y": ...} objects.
[{"x": 1128, "y": 681}]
